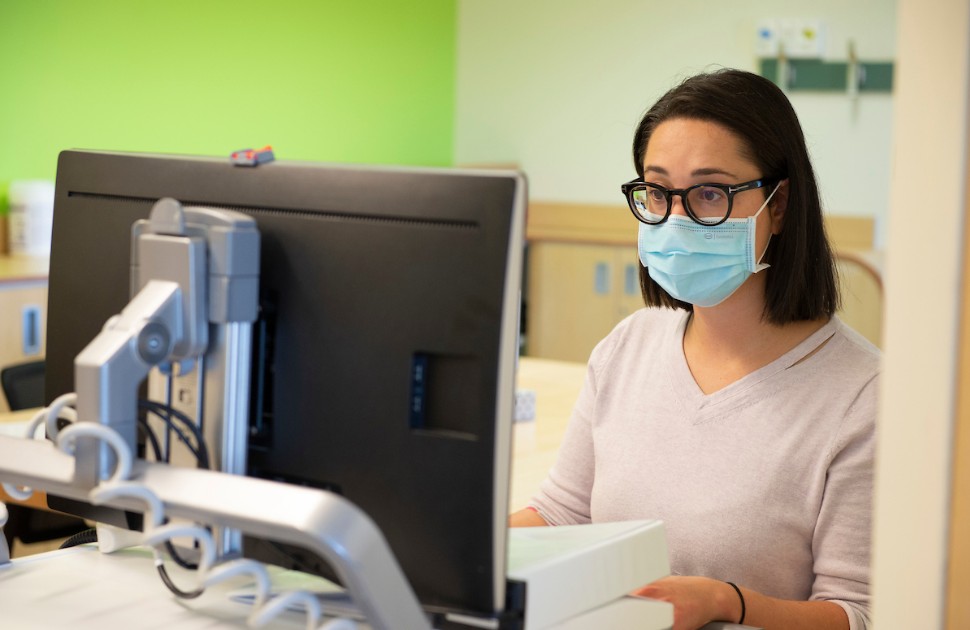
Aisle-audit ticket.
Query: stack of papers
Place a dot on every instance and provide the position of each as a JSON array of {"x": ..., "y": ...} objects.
[{"x": 574, "y": 569}]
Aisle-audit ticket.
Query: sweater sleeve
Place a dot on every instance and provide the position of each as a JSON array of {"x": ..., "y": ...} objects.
[
  {"x": 842, "y": 535},
  {"x": 564, "y": 496}
]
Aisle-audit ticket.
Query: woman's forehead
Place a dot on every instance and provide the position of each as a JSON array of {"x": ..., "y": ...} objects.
[{"x": 697, "y": 145}]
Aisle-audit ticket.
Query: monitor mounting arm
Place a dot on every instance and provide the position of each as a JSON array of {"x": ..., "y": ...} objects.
[{"x": 190, "y": 265}]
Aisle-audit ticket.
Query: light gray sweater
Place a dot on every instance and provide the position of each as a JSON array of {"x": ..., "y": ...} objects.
[{"x": 766, "y": 483}]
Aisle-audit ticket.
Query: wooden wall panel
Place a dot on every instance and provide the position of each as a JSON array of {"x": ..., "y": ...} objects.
[
  {"x": 613, "y": 224},
  {"x": 958, "y": 569}
]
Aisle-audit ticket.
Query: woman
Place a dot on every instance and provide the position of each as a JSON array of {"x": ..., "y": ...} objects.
[{"x": 743, "y": 413}]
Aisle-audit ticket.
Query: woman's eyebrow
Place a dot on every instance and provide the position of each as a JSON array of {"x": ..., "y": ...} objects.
[
  {"x": 651, "y": 168},
  {"x": 712, "y": 171}
]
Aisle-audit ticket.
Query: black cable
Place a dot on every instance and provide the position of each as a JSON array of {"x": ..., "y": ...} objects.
[
  {"x": 160, "y": 409},
  {"x": 146, "y": 407},
  {"x": 181, "y": 417},
  {"x": 179, "y": 560},
  {"x": 175, "y": 589},
  {"x": 80, "y": 538},
  {"x": 152, "y": 438},
  {"x": 165, "y": 414},
  {"x": 200, "y": 458}
]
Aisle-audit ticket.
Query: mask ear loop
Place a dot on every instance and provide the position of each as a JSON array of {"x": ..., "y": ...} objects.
[{"x": 760, "y": 266}]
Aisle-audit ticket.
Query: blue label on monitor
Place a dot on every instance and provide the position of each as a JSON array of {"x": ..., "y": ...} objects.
[{"x": 419, "y": 390}]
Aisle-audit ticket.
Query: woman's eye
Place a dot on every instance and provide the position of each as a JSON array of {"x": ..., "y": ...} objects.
[{"x": 708, "y": 194}]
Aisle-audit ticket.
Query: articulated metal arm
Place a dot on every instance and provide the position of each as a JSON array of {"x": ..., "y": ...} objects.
[
  {"x": 167, "y": 320},
  {"x": 109, "y": 370},
  {"x": 320, "y": 521}
]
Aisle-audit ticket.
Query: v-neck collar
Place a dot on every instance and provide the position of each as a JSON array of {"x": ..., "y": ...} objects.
[{"x": 682, "y": 382}]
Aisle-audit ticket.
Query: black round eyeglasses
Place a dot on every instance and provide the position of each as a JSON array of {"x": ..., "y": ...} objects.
[{"x": 707, "y": 204}]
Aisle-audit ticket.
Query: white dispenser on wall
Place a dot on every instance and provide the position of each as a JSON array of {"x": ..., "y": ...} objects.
[{"x": 31, "y": 216}]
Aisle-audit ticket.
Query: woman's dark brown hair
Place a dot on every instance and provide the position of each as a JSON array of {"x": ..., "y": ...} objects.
[{"x": 801, "y": 282}]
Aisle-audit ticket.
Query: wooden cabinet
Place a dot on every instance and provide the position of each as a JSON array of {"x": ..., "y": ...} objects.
[
  {"x": 582, "y": 276},
  {"x": 23, "y": 308},
  {"x": 577, "y": 293}
]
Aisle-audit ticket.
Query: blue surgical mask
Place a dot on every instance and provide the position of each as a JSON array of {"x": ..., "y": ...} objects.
[{"x": 700, "y": 264}]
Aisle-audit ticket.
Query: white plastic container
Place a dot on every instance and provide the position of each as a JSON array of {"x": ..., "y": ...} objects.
[{"x": 31, "y": 217}]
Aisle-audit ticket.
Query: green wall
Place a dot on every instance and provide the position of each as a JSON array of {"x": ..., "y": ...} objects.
[{"x": 346, "y": 81}]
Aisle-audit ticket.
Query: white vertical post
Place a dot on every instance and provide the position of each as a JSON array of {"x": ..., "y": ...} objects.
[{"x": 923, "y": 291}]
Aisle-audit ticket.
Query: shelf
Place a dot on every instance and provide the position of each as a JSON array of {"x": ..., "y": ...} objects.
[{"x": 826, "y": 76}]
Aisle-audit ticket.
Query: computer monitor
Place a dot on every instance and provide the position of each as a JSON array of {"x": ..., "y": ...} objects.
[{"x": 386, "y": 345}]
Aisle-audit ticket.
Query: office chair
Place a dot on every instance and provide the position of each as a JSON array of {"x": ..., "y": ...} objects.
[
  {"x": 23, "y": 386},
  {"x": 860, "y": 278}
]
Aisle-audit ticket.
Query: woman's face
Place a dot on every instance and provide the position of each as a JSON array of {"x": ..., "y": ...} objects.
[{"x": 683, "y": 152}]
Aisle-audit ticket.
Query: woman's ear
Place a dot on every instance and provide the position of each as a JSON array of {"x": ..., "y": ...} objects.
[{"x": 777, "y": 207}]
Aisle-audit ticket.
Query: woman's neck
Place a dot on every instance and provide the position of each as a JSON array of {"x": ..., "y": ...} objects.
[{"x": 724, "y": 343}]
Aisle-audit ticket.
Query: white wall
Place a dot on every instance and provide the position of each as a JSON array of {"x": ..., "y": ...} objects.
[{"x": 558, "y": 87}]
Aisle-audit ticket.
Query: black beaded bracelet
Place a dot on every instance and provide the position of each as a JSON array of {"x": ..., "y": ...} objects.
[{"x": 741, "y": 597}]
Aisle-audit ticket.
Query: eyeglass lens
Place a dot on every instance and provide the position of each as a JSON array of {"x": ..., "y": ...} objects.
[{"x": 707, "y": 204}]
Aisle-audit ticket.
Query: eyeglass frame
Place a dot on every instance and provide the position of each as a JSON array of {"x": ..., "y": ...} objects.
[{"x": 729, "y": 189}]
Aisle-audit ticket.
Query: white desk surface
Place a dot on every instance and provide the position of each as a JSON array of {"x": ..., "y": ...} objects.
[
  {"x": 81, "y": 588},
  {"x": 12, "y": 421},
  {"x": 535, "y": 443}
]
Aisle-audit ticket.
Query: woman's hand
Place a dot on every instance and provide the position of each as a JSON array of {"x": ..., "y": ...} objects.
[
  {"x": 526, "y": 518},
  {"x": 696, "y": 600}
]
